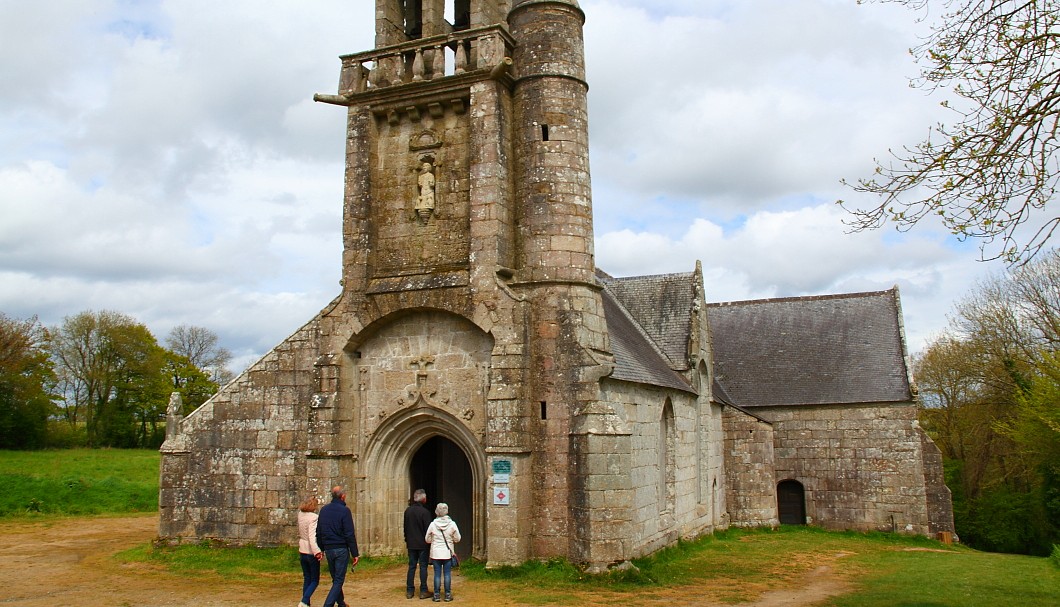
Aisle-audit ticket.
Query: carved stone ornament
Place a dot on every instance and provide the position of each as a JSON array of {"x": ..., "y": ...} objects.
[
  {"x": 424, "y": 389},
  {"x": 425, "y": 140}
]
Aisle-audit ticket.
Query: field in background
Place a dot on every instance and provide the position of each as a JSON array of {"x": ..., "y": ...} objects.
[{"x": 77, "y": 482}]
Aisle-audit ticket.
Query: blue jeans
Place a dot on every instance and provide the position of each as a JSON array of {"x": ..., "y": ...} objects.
[
  {"x": 440, "y": 567},
  {"x": 310, "y": 575},
  {"x": 417, "y": 557},
  {"x": 338, "y": 561}
]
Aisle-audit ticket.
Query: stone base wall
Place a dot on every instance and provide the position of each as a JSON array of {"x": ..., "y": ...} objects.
[
  {"x": 666, "y": 506},
  {"x": 862, "y": 466},
  {"x": 939, "y": 498},
  {"x": 237, "y": 471},
  {"x": 751, "y": 490}
]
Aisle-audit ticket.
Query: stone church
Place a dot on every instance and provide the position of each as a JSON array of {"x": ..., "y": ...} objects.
[{"x": 476, "y": 351}]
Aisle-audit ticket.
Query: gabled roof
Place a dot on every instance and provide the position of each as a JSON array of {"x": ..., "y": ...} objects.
[
  {"x": 637, "y": 359},
  {"x": 832, "y": 349},
  {"x": 662, "y": 306}
]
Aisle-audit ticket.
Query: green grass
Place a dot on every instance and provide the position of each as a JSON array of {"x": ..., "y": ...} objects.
[
  {"x": 965, "y": 577},
  {"x": 738, "y": 565},
  {"x": 78, "y": 482},
  {"x": 237, "y": 563}
]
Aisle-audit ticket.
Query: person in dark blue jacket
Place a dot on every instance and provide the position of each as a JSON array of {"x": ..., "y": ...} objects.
[{"x": 338, "y": 539}]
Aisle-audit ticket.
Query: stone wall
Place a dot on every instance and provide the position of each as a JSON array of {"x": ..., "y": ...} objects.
[
  {"x": 862, "y": 466},
  {"x": 406, "y": 240},
  {"x": 939, "y": 498},
  {"x": 237, "y": 470},
  {"x": 751, "y": 489},
  {"x": 666, "y": 470}
]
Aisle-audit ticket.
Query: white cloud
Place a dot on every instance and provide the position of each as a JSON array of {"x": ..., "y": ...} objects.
[{"x": 165, "y": 159}]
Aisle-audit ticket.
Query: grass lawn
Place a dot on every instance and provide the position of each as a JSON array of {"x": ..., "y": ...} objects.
[
  {"x": 78, "y": 482},
  {"x": 738, "y": 565}
]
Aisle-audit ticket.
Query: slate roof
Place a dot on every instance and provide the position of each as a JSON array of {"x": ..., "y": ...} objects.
[
  {"x": 637, "y": 359},
  {"x": 662, "y": 306},
  {"x": 832, "y": 349}
]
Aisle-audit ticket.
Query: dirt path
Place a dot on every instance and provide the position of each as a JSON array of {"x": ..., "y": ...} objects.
[{"x": 68, "y": 562}]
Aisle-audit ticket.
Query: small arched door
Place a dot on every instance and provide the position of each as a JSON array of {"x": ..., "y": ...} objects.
[
  {"x": 440, "y": 468},
  {"x": 791, "y": 503}
]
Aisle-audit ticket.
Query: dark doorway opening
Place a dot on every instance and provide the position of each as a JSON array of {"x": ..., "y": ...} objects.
[
  {"x": 440, "y": 468},
  {"x": 791, "y": 503}
]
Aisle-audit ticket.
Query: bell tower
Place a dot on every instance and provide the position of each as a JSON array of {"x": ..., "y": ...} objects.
[{"x": 467, "y": 191}]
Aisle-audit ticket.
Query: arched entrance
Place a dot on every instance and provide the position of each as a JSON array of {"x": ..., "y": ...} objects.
[
  {"x": 791, "y": 503},
  {"x": 440, "y": 468}
]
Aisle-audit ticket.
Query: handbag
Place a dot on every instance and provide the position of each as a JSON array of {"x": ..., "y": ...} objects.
[{"x": 455, "y": 562}]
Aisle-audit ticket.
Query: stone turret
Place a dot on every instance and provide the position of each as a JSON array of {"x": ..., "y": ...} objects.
[{"x": 552, "y": 145}]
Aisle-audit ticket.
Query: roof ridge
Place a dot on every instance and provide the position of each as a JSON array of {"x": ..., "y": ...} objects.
[
  {"x": 826, "y": 297},
  {"x": 667, "y": 275}
]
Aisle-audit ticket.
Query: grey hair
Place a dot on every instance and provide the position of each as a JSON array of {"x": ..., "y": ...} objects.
[
  {"x": 441, "y": 509},
  {"x": 419, "y": 495}
]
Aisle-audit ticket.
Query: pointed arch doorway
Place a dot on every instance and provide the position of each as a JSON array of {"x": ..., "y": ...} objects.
[{"x": 441, "y": 468}]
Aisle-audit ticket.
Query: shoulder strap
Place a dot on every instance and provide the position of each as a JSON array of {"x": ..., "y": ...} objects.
[{"x": 442, "y": 532}]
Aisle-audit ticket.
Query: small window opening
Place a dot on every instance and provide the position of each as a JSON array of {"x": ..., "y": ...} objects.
[
  {"x": 544, "y": 410},
  {"x": 412, "y": 11},
  {"x": 458, "y": 12},
  {"x": 357, "y": 354},
  {"x": 544, "y": 132}
]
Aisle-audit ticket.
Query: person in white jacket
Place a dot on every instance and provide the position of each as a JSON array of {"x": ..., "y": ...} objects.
[
  {"x": 309, "y": 553},
  {"x": 442, "y": 535}
]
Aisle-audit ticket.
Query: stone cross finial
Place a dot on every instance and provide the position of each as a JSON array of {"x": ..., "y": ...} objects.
[{"x": 174, "y": 415}]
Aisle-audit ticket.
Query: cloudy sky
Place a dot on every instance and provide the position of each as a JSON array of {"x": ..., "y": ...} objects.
[{"x": 165, "y": 158}]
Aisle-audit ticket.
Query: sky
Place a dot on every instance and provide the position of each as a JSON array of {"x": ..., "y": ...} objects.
[{"x": 165, "y": 159}]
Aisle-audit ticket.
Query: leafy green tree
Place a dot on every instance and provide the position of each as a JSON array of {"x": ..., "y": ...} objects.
[
  {"x": 997, "y": 166},
  {"x": 193, "y": 383},
  {"x": 111, "y": 379},
  {"x": 26, "y": 380},
  {"x": 990, "y": 391}
]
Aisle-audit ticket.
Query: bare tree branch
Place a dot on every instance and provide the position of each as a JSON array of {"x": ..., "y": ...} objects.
[{"x": 998, "y": 166}]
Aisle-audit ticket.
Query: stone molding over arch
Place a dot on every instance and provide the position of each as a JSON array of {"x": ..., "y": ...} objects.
[
  {"x": 427, "y": 358},
  {"x": 415, "y": 375},
  {"x": 386, "y": 460}
]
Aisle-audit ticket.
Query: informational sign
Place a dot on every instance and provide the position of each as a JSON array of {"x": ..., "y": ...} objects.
[
  {"x": 501, "y": 495},
  {"x": 502, "y": 471}
]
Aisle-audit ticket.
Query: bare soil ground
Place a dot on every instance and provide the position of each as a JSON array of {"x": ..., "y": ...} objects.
[{"x": 68, "y": 562}]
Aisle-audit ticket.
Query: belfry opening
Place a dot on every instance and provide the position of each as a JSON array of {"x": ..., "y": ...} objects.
[{"x": 440, "y": 467}]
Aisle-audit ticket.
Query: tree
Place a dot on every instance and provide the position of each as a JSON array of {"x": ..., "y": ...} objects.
[
  {"x": 990, "y": 390},
  {"x": 26, "y": 380},
  {"x": 111, "y": 379},
  {"x": 997, "y": 167},
  {"x": 201, "y": 346},
  {"x": 192, "y": 382}
]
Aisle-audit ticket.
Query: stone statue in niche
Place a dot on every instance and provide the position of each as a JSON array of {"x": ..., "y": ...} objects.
[{"x": 426, "y": 181}]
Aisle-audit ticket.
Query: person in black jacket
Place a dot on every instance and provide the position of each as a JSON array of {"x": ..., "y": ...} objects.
[
  {"x": 337, "y": 538},
  {"x": 417, "y": 519}
]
